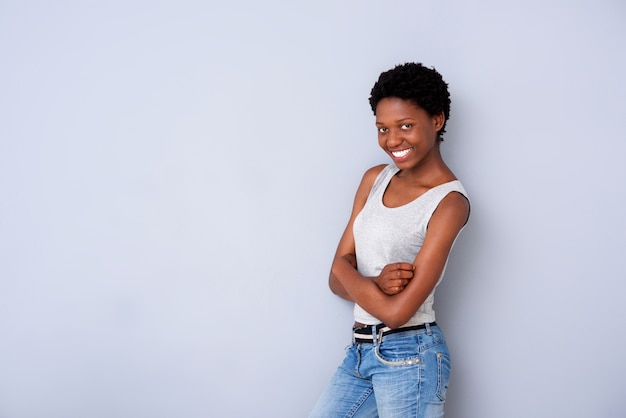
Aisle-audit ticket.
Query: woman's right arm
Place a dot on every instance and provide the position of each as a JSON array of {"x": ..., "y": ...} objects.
[
  {"x": 346, "y": 253},
  {"x": 334, "y": 284},
  {"x": 345, "y": 257}
]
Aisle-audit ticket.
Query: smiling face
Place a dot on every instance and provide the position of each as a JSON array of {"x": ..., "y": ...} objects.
[{"x": 407, "y": 132}]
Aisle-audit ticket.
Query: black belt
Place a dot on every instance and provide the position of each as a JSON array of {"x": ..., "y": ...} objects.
[{"x": 366, "y": 333}]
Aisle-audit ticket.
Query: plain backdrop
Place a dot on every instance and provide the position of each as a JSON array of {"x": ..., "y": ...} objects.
[{"x": 175, "y": 176}]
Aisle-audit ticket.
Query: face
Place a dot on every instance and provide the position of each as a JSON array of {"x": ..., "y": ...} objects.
[{"x": 407, "y": 132}]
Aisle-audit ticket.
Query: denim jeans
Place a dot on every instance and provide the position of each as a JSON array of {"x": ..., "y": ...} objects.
[{"x": 405, "y": 375}]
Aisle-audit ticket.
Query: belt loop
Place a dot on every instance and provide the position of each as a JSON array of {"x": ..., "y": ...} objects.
[
  {"x": 377, "y": 333},
  {"x": 428, "y": 330}
]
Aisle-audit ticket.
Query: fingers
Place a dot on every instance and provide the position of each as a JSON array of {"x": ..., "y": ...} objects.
[
  {"x": 400, "y": 275},
  {"x": 399, "y": 266},
  {"x": 395, "y": 290},
  {"x": 399, "y": 270},
  {"x": 395, "y": 277},
  {"x": 401, "y": 284},
  {"x": 396, "y": 286},
  {"x": 404, "y": 266}
]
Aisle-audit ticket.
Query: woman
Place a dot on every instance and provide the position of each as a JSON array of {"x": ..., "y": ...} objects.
[{"x": 392, "y": 255}]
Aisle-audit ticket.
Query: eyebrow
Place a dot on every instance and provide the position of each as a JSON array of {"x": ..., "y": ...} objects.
[{"x": 398, "y": 121}]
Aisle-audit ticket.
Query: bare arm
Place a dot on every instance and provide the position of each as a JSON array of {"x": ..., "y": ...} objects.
[
  {"x": 395, "y": 310},
  {"x": 393, "y": 277}
]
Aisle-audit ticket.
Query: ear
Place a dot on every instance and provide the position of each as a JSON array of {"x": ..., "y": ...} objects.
[{"x": 438, "y": 121}]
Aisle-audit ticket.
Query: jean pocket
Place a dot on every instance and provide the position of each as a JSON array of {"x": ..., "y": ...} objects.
[{"x": 398, "y": 351}]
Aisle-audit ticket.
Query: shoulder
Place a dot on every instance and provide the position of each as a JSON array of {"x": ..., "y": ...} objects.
[
  {"x": 454, "y": 206},
  {"x": 370, "y": 177},
  {"x": 368, "y": 181},
  {"x": 372, "y": 173}
]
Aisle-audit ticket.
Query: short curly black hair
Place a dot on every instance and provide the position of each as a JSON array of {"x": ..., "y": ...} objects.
[{"x": 421, "y": 85}]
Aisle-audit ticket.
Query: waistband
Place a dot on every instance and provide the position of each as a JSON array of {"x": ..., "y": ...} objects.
[{"x": 366, "y": 333}]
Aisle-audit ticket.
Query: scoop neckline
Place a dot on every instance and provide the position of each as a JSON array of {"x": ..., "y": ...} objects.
[{"x": 396, "y": 170}]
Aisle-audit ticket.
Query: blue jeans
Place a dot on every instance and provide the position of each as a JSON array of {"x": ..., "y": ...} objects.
[{"x": 404, "y": 375}]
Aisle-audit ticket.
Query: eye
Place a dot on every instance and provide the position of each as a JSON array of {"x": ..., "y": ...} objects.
[
  {"x": 406, "y": 126},
  {"x": 382, "y": 130}
]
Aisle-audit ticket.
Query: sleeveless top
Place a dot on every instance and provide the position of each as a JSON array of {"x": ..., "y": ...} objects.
[{"x": 384, "y": 235}]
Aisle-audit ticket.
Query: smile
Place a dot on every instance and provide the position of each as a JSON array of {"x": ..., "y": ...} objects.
[{"x": 400, "y": 154}]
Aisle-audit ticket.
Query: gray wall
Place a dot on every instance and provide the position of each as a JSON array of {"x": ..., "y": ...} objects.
[{"x": 175, "y": 176}]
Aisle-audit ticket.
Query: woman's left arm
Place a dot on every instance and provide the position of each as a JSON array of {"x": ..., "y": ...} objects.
[{"x": 395, "y": 310}]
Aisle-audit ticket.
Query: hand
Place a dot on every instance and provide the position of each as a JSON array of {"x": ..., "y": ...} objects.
[{"x": 394, "y": 277}]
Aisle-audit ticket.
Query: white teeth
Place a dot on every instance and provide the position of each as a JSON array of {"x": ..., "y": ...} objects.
[{"x": 400, "y": 154}]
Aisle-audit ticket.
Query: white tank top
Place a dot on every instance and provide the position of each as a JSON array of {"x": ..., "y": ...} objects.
[{"x": 385, "y": 235}]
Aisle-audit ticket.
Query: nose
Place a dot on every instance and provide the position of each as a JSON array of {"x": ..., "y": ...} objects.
[{"x": 394, "y": 138}]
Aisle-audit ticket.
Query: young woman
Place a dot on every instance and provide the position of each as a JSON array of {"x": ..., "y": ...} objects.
[{"x": 392, "y": 255}]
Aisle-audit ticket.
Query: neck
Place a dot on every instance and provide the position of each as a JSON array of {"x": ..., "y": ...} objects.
[{"x": 430, "y": 170}]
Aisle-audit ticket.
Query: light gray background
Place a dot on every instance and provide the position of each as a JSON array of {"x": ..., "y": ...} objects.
[{"x": 175, "y": 176}]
